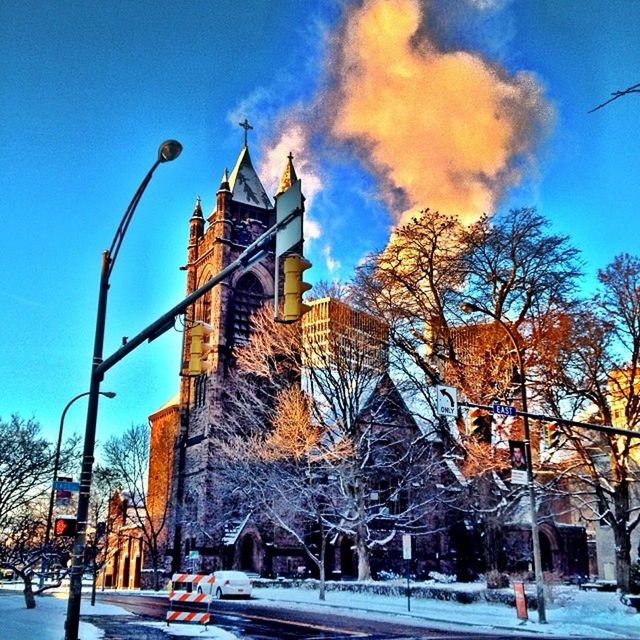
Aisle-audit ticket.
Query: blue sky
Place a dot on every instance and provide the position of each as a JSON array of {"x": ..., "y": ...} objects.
[{"x": 90, "y": 89}]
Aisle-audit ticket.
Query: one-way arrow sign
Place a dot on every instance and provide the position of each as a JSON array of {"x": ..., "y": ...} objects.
[{"x": 446, "y": 401}]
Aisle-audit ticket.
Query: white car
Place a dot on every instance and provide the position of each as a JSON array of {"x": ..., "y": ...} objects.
[{"x": 228, "y": 584}]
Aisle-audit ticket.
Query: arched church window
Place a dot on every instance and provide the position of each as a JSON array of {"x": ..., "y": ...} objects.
[
  {"x": 247, "y": 298},
  {"x": 203, "y": 308}
]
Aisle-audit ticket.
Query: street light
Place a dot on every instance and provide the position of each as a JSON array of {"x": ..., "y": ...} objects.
[
  {"x": 167, "y": 152},
  {"x": 56, "y": 463},
  {"x": 469, "y": 307}
]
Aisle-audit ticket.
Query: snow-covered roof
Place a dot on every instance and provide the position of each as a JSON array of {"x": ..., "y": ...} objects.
[{"x": 233, "y": 532}]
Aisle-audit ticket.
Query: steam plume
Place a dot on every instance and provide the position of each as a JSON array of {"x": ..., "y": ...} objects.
[{"x": 448, "y": 128}]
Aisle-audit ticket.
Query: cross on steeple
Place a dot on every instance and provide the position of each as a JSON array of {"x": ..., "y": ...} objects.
[{"x": 246, "y": 126}]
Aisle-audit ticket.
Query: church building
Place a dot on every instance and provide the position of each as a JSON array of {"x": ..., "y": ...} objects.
[{"x": 243, "y": 212}]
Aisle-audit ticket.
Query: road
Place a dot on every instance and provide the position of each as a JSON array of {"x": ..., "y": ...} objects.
[{"x": 253, "y": 621}]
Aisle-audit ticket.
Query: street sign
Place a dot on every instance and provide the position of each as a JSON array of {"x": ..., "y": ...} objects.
[
  {"x": 288, "y": 202},
  {"x": 406, "y": 546},
  {"x": 66, "y": 485},
  {"x": 504, "y": 410},
  {"x": 446, "y": 401}
]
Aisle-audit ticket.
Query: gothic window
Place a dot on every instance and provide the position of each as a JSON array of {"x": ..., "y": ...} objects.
[
  {"x": 248, "y": 298},
  {"x": 201, "y": 390},
  {"x": 203, "y": 308}
]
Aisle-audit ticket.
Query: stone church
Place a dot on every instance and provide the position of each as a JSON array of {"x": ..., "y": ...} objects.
[
  {"x": 182, "y": 487},
  {"x": 182, "y": 491}
]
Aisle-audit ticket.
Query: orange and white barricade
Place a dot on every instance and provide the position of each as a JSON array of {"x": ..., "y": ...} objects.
[{"x": 202, "y": 585}]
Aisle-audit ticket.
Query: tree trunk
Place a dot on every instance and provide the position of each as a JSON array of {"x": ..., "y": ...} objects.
[
  {"x": 364, "y": 565},
  {"x": 94, "y": 581},
  {"x": 29, "y": 598},
  {"x": 621, "y": 536},
  {"x": 492, "y": 545},
  {"x": 156, "y": 573}
]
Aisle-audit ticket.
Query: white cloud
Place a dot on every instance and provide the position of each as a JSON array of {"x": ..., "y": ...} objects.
[
  {"x": 331, "y": 263},
  {"x": 312, "y": 229}
]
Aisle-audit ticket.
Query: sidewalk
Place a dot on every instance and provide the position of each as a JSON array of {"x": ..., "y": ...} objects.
[{"x": 570, "y": 612}]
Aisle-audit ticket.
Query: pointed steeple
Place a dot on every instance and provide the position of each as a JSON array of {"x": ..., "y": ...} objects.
[
  {"x": 288, "y": 176},
  {"x": 224, "y": 183},
  {"x": 196, "y": 226},
  {"x": 197, "y": 209}
]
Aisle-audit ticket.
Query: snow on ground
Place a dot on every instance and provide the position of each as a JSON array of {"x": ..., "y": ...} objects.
[
  {"x": 192, "y": 630},
  {"x": 46, "y": 621},
  {"x": 570, "y": 612}
]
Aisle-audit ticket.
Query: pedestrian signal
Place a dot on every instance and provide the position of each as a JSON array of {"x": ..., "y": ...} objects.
[{"x": 65, "y": 526}]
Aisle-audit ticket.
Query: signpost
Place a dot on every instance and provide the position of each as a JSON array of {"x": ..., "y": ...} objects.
[
  {"x": 518, "y": 455},
  {"x": 66, "y": 485},
  {"x": 406, "y": 555}
]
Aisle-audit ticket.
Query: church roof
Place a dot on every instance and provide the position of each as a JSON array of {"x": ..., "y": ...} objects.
[{"x": 245, "y": 185}]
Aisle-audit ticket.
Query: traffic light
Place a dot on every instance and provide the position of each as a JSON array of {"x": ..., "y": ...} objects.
[
  {"x": 553, "y": 435},
  {"x": 65, "y": 526},
  {"x": 294, "y": 287},
  {"x": 199, "y": 348},
  {"x": 480, "y": 424}
]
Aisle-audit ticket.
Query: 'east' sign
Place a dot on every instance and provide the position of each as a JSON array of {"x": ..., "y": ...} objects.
[{"x": 504, "y": 410}]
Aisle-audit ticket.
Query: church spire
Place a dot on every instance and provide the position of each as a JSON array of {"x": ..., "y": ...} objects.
[
  {"x": 197, "y": 209},
  {"x": 224, "y": 183},
  {"x": 288, "y": 176},
  {"x": 196, "y": 228}
]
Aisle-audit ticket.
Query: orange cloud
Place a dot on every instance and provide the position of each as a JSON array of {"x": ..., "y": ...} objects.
[{"x": 449, "y": 129}]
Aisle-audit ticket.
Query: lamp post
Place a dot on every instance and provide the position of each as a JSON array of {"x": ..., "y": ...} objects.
[
  {"x": 469, "y": 307},
  {"x": 167, "y": 152},
  {"x": 56, "y": 463}
]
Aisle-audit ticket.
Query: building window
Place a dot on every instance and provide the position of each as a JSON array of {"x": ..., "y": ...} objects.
[
  {"x": 248, "y": 297},
  {"x": 201, "y": 390}
]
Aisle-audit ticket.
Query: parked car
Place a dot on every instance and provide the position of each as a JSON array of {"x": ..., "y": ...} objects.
[{"x": 229, "y": 584}]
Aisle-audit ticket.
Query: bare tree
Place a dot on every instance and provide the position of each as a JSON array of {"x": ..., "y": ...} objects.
[
  {"x": 101, "y": 521},
  {"x": 26, "y": 468},
  {"x": 128, "y": 457},
  {"x": 596, "y": 371},
  {"x": 511, "y": 267},
  {"x": 282, "y": 475},
  {"x": 634, "y": 88},
  {"x": 380, "y": 480}
]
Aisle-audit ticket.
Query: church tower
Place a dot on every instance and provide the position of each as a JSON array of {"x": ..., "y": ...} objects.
[{"x": 243, "y": 211}]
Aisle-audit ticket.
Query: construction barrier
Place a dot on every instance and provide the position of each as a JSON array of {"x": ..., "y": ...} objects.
[
  {"x": 188, "y": 616},
  {"x": 181, "y": 597}
]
